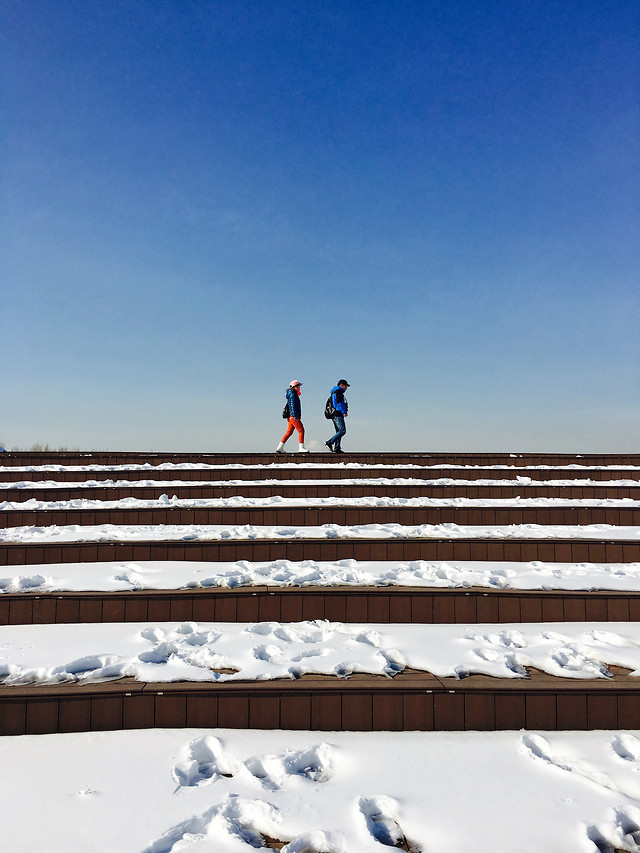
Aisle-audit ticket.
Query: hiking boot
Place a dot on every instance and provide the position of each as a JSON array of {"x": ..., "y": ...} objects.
[{"x": 330, "y": 446}]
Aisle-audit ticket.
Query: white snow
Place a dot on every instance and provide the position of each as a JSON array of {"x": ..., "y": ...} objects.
[
  {"x": 180, "y": 574},
  {"x": 297, "y": 466},
  {"x": 219, "y": 532},
  {"x": 164, "y": 791},
  {"x": 279, "y": 502},
  {"x": 206, "y": 651},
  {"x": 284, "y": 484}
]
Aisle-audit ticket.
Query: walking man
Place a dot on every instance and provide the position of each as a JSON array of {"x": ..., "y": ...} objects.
[
  {"x": 293, "y": 420},
  {"x": 340, "y": 412}
]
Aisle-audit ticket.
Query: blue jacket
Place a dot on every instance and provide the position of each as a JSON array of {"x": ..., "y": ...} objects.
[
  {"x": 293, "y": 399},
  {"x": 338, "y": 399}
]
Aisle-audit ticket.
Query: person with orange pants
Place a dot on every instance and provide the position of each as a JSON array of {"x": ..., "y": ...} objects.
[{"x": 294, "y": 415}]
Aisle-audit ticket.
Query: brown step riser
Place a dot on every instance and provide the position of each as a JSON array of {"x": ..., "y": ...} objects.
[
  {"x": 315, "y": 516},
  {"x": 23, "y": 458},
  {"x": 346, "y": 706},
  {"x": 336, "y": 473},
  {"x": 113, "y": 493},
  {"x": 562, "y": 551},
  {"x": 370, "y": 605}
]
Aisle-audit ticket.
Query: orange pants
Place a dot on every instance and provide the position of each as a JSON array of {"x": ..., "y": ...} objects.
[{"x": 294, "y": 423}]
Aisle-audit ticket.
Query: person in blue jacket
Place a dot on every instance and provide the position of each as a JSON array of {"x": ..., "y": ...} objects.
[
  {"x": 294, "y": 420},
  {"x": 341, "y": 408}
]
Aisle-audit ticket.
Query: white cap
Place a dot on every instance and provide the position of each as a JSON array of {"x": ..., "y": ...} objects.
[{"x": 294, "y": 382}]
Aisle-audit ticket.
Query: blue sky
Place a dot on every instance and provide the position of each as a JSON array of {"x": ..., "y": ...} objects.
[{"x": 437, "y": 201}]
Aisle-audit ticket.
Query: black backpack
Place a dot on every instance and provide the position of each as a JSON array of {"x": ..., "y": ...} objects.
[
  {"x": 329, "y": 409},
  {"x": 285, "y": 411}
]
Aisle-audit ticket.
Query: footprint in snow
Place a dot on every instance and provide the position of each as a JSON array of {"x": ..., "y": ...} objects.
[
  {"x": 310, "y": 653},
  {"x": 129, "y": 577},
  {"x": 369, "y": 638},
  {"x": 87, "y": 665},
  {"x": 23, "y": 583},
  {"x": 621, "y": 833},
  {"x": 394, "y": 661},
  {"x": 190, "y": 633},
  {"x": 205, "y": 760},
  {"x": 31, "y": 582},
  {"x": 627, "y": 747},
  {"x": 160, "y": 654},
  {"x": 315, "y": 763},
  {"x": 541, "y": 748},
  {"x": 237, "y": 819},
  {"x": 269, "y": 654},
  {"x": 179, "y": 643},
  {"x": 610, "y": 639},
  {"x": 380, "y": 814},
  {"x": 300, "y": 632}
]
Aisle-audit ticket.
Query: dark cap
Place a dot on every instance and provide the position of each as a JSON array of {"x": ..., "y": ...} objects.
[{"x": 343, "y": 382}]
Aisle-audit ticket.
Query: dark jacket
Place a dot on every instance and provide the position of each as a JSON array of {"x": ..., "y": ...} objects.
[
  {"x": 293, "y": 399},
  {"x": 338, "y": 399}
]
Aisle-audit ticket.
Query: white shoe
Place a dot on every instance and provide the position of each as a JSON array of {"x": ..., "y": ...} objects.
[
  {"x": 302, "y": 449},
  {"x": 280, "y": 448}
]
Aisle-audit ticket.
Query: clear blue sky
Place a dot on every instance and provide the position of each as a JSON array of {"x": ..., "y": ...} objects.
[{"x": 204, "y": 200}]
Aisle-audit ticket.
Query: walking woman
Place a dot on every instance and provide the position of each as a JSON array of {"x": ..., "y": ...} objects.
[{"x": 293, "y": 421}]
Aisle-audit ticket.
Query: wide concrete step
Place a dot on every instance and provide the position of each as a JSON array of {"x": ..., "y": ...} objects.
[
  {"x": 423, "y": 605},
  {"x": 412, "y": 701},
  {"x": 325, "y": 472},
  {"x": 29, "y": 457},
  {"x": 255, "y": 550},
  {"x": 510, "y": 489},
  {"x": 315, "y": 516}
]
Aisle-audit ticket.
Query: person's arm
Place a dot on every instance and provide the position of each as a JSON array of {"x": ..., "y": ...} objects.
[{"x": 294, "y": 404}]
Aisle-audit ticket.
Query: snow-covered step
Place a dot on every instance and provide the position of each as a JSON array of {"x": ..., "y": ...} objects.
[
  {"x": 393, "y": 487},
  {"x": 319, "y": 675},
  {"x": 517, "y": 543},
  {"x": 288, "y": 502},
  {"x": 348, "y": 590},
  {"x": 310, "y": 511},
  {"x": 257, "y": 651},
  {"x": 331, "y": 533},
  {"x": 401, "y": 604},
  {"x": 326, "y": 470},
  {"x": 300, "y": 575},
  {"x": 411, "y": 702},
  {"x": 17, "y": 458},
  {"x": 153, "y": 790}
]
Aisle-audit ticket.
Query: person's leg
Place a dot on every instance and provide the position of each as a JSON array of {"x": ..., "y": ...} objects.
[
  {"x": 290, "y": 427},
  {"x": 300, "y": 427},
  {"x": 297, "y": 423},
  {"x": 330, "y": 443},
  {"x": 338, "y": 422},
  {"x": 343, "y": 432}
]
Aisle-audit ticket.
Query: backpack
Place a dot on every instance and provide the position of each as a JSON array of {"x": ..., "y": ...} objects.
[
  {"x": 285, "y": 411},
  {"x": 329, "y": 409}
]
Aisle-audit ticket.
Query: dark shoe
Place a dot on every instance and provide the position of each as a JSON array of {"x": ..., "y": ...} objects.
[
  {"x": 338, "y": 451},
  {"x": 329, "y": 446}
]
